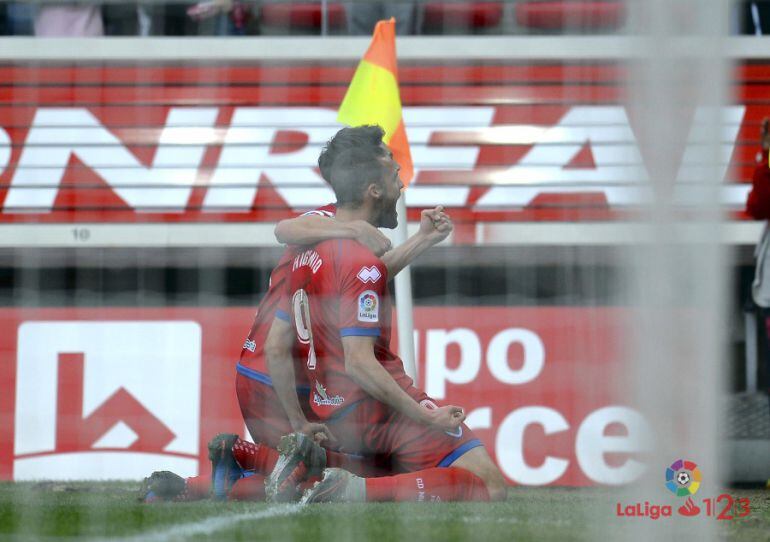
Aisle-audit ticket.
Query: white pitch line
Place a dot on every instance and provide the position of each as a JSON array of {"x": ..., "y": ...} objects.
[{"x": 206, "y": 526}]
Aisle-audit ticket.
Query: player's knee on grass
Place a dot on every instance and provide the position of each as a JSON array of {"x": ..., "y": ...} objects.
[
  {"x": 494, "y": 481},
  {"x": 479, "y": 463},
  {"x": 496, "y": 486}
]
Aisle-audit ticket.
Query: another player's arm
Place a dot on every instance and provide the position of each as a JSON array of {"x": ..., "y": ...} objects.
[
  {"x": 435, "y": 226},
  {"x": 362, "y": 366},
  {"x": 280, "y": 365},
  {"x": 310, "y": 229}
]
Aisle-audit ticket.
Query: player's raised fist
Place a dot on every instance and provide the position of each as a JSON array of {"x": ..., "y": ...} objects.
[{"x": 435, "y": 224}]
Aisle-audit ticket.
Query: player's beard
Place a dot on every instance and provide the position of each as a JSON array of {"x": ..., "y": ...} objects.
[{"x": 388, "y": 215}]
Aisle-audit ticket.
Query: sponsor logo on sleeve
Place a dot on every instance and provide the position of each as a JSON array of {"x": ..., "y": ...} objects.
[
  {"x": 368, "y": 307},
  {"x": 369, "y": 274},
  {"x": 250, "y": 345}
]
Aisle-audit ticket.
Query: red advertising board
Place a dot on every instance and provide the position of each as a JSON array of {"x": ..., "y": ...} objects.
[
  {"x": 119, "y": 392},
  {"x": 239, "y": 143}
]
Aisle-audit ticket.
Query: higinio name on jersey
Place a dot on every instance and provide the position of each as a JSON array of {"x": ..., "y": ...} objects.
[{"x": 309, "y": 258}]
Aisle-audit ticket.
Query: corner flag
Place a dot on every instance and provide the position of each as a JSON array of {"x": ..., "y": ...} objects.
[{"x": 373, "y": 96}]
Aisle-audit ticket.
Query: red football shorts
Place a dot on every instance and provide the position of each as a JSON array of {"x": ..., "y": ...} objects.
[
  {"x": 370, "y": 427},
  {"x": 261, "y": 409},
  {"x": 267, "y": 422}
]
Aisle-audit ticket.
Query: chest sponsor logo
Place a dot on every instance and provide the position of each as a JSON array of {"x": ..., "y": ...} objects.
[{"x": 321, "y": 397}]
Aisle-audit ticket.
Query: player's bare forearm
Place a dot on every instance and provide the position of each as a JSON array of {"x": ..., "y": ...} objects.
[
  {"x": 366, "y": 371},
  {"x": 312, "y": 229},
  {"x": 404, "y": 254},
  {"x": 435, "y": 226},
  {"x": 280, "y": 365},
  {"x": 376, "y": 381}
]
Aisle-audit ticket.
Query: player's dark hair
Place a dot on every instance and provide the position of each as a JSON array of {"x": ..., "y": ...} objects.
[
  {"x": 347, "y": 138},
  {"x": 353, "y": 171}
]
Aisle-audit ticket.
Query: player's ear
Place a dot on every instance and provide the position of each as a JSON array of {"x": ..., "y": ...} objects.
[{"x": 374, "y": 190}]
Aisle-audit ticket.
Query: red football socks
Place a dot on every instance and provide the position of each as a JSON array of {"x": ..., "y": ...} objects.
[
  {"x": 261, "y": 459},
  {"x": 196, "y": 488},
  {"x": 355, "y": 464},
  {"x": 249, "y": 488},
  {"x": 436, "y": 484},
  {"x": 257, "y": 457}
]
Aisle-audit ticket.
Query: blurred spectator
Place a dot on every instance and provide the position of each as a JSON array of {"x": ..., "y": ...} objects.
[
  {"x": 753, "y": 17},
  {"x": 461, "y": 18},
  {"x": 122, "y": 19},
  {"x": 206, "y": 18},
  {"x": 61, "y": 20},
  {"x": 758, "y": 206},
  {"x": 579, "y": 17},
  {"x": 19, "y": 19},
  {"x": 362, "y": 16}
]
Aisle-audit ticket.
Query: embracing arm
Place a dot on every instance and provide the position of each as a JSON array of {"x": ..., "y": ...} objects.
[
  {"x": 280, "y": 365},
  {"x": 311, "y": 229},
  {"x": 362, "y": 366}
]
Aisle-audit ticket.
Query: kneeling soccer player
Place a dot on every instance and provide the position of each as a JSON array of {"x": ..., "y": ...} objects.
[
  {"x": 238, "y": 466},
  {"x": 337, "y": 309}
]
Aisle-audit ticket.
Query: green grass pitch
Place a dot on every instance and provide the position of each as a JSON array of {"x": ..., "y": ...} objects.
[{"x": 110, "y": 511}]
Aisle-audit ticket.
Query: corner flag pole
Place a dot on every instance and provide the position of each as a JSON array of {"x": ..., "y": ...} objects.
[
  {"x": 373, "y": 98},
  {"x": 404, "y": 300}
]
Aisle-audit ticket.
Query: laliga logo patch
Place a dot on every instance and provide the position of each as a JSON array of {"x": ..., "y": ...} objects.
[
  {"x": 368, "y": 307},
  {"x": 369, "y": 274}
]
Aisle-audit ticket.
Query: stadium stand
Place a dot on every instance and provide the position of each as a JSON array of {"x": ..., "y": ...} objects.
[
  {"x": 302, "y": 18},
  {"x": 461, "y": 17},
  {"x": 570, "y": 15},
  {"x": 319, "y": 18}
]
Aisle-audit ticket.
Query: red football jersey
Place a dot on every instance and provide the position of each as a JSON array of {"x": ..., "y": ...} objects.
[
  {"x": 253, "y": 353},
  {"x": 338, "y": 288}
]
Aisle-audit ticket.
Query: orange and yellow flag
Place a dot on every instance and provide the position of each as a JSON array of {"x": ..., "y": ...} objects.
[{"x": 373, "y": 96}]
